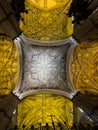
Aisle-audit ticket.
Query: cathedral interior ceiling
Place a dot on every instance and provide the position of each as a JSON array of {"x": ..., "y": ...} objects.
[
  {"x": 84, "y": 68},
  {"x": 46, "y": 24},
  {"x": 43, "y": 107},
  {"x": 45, "y": 66}
]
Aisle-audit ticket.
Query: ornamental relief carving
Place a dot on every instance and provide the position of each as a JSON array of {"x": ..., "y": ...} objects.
[{"x": 84, "y": 68}]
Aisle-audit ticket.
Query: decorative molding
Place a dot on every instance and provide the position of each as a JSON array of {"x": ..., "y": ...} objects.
[{"x": 43, "y": 68}]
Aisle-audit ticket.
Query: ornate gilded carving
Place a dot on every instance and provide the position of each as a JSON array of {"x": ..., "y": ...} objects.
[
  {"x": 9, "y": 65},
  {"x": 42, "y": 107},
  {"x": 46, "y": 24},
  {"x": 84, "y": 68},
  {"x": 48, "y": 4}
]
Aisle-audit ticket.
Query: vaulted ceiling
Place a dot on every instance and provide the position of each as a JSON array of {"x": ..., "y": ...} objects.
[{"x": 47, "y": 22}]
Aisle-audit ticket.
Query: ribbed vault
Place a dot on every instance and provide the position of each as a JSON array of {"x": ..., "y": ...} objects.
[
  {"x": 46, "y": 20},
  {"x": 46, "y": 26},
  {"x": 9, "y": 65},
  {"x": 84, "y": 68},
  {"x": 45, "y": 109}
]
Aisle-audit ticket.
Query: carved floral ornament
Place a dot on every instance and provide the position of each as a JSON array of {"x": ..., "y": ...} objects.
[
  {"x": 50, "y": 63},
  {"x": 40, "y": 63},
  {"x": 46, "y": 24},
  {"x": 84, "y": 68},
  {"x": 39, "y": 56},
  {"x": 44, "y": 67}
]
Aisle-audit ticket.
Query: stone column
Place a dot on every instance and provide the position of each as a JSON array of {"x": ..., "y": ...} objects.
[{"x": 89, "y": 104}]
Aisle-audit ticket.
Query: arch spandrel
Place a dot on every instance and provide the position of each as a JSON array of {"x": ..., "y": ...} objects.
[{"x": 84, "y": 68}]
